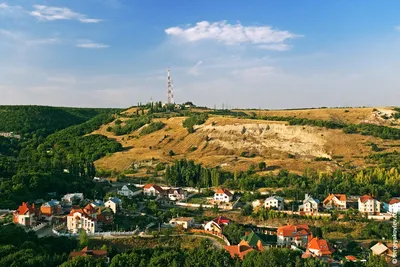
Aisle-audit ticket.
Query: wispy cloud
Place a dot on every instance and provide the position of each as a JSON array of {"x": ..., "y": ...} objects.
[
  {"x": 48, "y": 13},
  {"x": 234, "y": 34},
  {"x": 275, "y": 47},
  {"x": 4, "y": 5},
  {"x": 91, "y": 45},
  {"x": 45, "y": 41},
  {"x": 195, "y": 69}
]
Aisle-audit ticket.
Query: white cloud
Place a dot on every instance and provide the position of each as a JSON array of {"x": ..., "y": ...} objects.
[
  {"x": 234, "y": 34},
  {"x": 47, "y": 13},
  {"x": 92, "y": 45},
  {"x": 4, "y": 5}
]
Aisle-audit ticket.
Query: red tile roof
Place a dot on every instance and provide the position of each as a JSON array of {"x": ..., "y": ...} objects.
[
  {"x": 241, "y": 249},
  {"x": 156, "y": 187},
  {"x": 224, "y": 191},
  {"x": 321, "y": 245},
  {"x": 365, "y": 198},
  {"x": 394, "y": 201},
  {"x": 221, "y": 220},
  {"x": 89, "y": 209},
  {"x": 294, "y": 230},
  {"x": 25, "y": 207},
  {"x": 148, "y": 186},
  {"x": 88, "y": 252}
]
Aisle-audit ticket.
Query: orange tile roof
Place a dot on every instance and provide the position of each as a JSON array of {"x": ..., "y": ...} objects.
[
  {"x": 394, "y": 201},
  {"x": 25, "y": 207},
  {"x": 148, "y": 186},
  {"x": 340, "y": 197},
  {"x": 89, "y": 209},
  {"x": 321, "y": 245},
  {"x": 365, "y": 198},
  {"x": 224, "y": 191},
  {"x": 294, "y": 230},
  {"x": 156, "y": 187},
  {"x": 351, "y": 258},
  {"x": 241, "y": 249},
  {"x": 88, "y": 252}
]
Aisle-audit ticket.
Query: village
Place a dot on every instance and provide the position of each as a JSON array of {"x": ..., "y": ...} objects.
[{"x": 130, "y": 210}]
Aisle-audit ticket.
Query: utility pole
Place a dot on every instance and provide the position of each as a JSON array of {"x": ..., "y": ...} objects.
[{"x": 170, "y": 88}]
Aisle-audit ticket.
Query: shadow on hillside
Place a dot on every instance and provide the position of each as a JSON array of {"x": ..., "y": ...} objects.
[{"x": 272, "y": 168}]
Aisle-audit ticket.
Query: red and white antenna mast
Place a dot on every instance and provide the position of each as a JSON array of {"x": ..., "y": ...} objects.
[{"x": 170, "y": 88}]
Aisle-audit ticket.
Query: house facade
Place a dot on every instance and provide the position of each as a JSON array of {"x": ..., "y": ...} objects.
[
  {"x": 152, "y": 190},
  {"x": 319, "y": 247},
  {"x": 176, "y": 194},
  {"x": 69, "y": 199},
  {"x": 26, "y": 215},
  {"x": 49, "y": 209},
  {"x": 369, "y": 205},
  {"x": 185, "y": 222},
  {"x": 394, "y": 206},
  {"x": 298, "y": 235},
  {"x": 114, "y": 203},
  {"x": 310, "y": 204},
  {"x": 335, "y": 201},
  {"x": 89, "y": 219},
  {"x": 223, "y": 195},
  {"x": 128, "y": 191},
  {"x": 274, "y": 202}
]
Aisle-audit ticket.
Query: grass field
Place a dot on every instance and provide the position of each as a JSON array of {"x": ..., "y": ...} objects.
[{"x": 222, "y": 141}]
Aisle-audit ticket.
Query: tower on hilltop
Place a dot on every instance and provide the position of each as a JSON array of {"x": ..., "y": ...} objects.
[{"x": 170, "y": 89}]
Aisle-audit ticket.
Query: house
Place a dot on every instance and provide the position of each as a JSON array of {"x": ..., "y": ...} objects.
[
  {"x": 89, "y": 218},
  {"x": 49, "y": 209},
  {"x": 255, "y": 240},
  {"x": 394, "y": 206},
  {"x": 82, "y": 219},
  {"x": 319, "y": 247},
  {"x": 185, "y": 222},
  {"x": 97, "y": 203},
  {"x": 98, "y": 254},
  {"x": 217, "y": 224},
  {"x": 26, "y": 214},
  {"x": 351, "y": 258},
  {"x": 223, "y": 195},
  {"x": 298, "y": 235},
  {"x": 176, "y": 194},
  {"x": 70, "y": 199},
  {"x": 310, "y": 204},
  {"x": 274, "y": 202},
  {"x": 152, "y": 190},
  {"x": 381, "y": 249},
  {"x": 239, "y": 250},
  {"x": 128, "y": 191},
  {"x": 114, "y": 203},
  {"x": 335, "y": 201},
  {"x": 369, "y": 205},
  {"x": 257, "y": 203}
]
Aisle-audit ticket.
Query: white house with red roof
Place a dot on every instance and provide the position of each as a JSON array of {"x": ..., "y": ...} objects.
[
  {"x": 369, "y": 205},
  {"x": 223, "y": 195},
  {"x": 319, "y": 247},
  {"x": 298, "y": 235},
  {"x": 216, "y": 225},
  {"x": 82, "y": 219},
  {"x": 394, "y": 206},
  {"x": 26, "y": 214},
  {"x": 335, "y": 201},
  {"x": 152, "y": 190}
]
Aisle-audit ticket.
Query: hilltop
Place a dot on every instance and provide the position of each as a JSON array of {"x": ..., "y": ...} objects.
[{"x": 328, "y": 139}]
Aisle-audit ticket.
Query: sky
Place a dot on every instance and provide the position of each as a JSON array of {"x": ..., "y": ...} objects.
[{"x": 247, "y": 54}]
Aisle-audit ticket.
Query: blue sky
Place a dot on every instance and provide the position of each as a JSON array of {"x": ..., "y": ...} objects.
[{"x": 268, "y": 54}]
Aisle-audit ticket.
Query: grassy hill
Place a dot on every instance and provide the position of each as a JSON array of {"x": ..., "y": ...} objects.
[
  {"x": 43, "y": 120},
  {"x": 327, "y": 140}
]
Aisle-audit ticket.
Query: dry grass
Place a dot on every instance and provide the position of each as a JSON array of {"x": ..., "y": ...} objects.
[{"x": 220, "y": 142}]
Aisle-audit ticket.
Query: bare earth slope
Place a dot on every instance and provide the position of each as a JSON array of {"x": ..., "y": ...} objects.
[{"x": 235, "y": 144}]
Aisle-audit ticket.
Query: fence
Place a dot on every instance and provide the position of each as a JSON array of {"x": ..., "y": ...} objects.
[
  {"x": 95, "y": 234},
  {"x": 191, "y": 205},
  {"x": 39, "y": 226},
  {"x": 221, "y": 236}
]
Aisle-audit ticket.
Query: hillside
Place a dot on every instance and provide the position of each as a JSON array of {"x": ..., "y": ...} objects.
[
  {"x": 43, "y": 120},
  {"x": 235, "y": 143}
]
